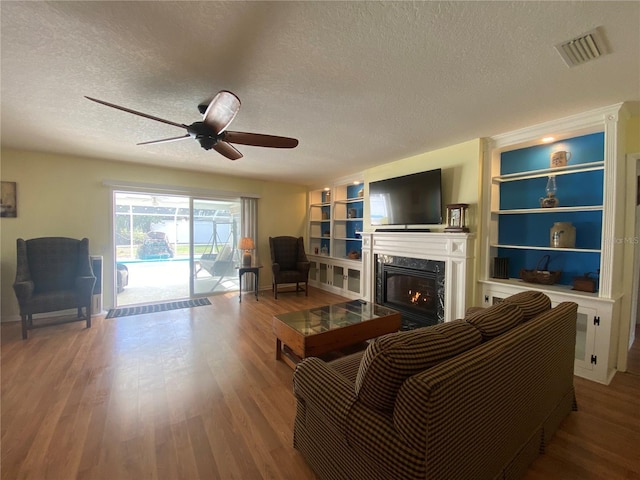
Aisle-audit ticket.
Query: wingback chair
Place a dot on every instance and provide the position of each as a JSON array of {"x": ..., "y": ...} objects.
[
  {"x": 289, "y": 263},
  {"x": 53, "y": 274}
]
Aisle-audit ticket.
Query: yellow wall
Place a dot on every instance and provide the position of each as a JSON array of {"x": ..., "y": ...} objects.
[
  {"x": 64, "y": 196},
  {"x": 461, "y": 166},
  {"x": 461, "y": 172},
  {"x": 633, "y": 135}
]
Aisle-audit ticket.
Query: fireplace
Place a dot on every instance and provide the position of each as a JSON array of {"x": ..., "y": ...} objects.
[
  {"x": 448, "y": 255},
  {"x": 413, "y": 286}
]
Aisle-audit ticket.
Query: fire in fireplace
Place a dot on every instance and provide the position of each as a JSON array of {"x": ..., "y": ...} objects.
[{"x": 414, "y": 287}]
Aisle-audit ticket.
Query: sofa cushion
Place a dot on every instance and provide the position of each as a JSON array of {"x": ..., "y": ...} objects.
[
  {"x": 496, "y": 320},
  {"x": 390, "y": 359},
  {"x": 532, "y": 303}
]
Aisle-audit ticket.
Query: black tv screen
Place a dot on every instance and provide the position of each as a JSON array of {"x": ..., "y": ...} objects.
[{"x": 414, "y": 199}]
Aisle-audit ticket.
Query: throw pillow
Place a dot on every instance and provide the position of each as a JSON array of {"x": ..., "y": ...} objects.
[
  {"x": 496, "y": 320},
  {"x": 532, "y": 303},
  {"x": 390, "y": 359}
]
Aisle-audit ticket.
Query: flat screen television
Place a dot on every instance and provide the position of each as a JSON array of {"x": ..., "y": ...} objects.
[{"x": 414, "y": 199}]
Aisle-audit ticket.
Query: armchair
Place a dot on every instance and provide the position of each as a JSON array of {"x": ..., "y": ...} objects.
[
  {"x": 53, "y": 274},
  {"x": 289, "y": 263}
]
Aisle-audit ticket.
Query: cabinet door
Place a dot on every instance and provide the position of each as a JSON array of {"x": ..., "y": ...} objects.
[
  {"x": 585, "y": 338},
  {"x": 323, "y": 273},
  {"x": 338, "y": 276},
  {"x": 313, "y": 271},
  {"x": 585, "y": 327},
  {"x": 353, "y": 280}
]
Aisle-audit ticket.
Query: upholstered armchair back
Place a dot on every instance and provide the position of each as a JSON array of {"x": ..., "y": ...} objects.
[
  {"x": 289, "y": 262},
  {"x": 53, "y": 274},
  {"x": 287, "y": 252},
  {"x": 53, "y": 263}
]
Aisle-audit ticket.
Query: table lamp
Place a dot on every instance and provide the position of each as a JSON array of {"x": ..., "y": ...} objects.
[{"x": 246, "y": 244}]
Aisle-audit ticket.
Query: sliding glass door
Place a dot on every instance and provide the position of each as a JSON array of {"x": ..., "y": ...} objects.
[
  {"x": 172, "y": 247},
  {"x": 214, "y": 254}
]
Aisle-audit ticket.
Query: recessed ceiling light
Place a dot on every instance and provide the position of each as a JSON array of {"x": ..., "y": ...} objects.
[{"x": 548, "y": 139}]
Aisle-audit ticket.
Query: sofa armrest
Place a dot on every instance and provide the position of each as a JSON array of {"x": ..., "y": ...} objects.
[
  {"x": 84, "y": 286},
  {"x": 325, "y": 391},
  {"x": 303, "y": 267},
  {"x": 275, "y": 267},
  {"x": 24, "y": 290}
]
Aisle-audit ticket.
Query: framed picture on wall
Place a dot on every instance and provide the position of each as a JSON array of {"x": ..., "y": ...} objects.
[{"x": 8, "y": 207}]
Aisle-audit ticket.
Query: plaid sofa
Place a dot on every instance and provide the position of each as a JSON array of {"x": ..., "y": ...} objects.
[{"x": 476, "y": 398}]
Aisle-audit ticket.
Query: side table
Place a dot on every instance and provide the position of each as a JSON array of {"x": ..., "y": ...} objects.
[{"x": 255, "y": 269}]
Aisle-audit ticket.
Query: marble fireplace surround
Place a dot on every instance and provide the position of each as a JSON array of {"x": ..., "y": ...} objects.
[{"x": 454, "y": 249}]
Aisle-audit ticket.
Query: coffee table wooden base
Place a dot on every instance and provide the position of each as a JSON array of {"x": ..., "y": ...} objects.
[
  {"x": 285, "y": 354},
  {"x": 293, "y": 346}
]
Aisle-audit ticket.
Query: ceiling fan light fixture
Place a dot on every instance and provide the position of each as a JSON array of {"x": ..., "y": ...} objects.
[{"x": 585, "y": 48}]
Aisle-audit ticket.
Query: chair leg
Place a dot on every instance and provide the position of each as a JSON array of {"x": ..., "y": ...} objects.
[
  {"x": 306, "y": 289},
  {"x": 88, "y": 310},
  {"x": 275, "y": 291},
  {"x": 24, "y": 327}
]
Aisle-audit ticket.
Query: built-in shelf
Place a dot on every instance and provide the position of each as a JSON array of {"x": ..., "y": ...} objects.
[
  {"x": 545, "y": 172},
  {"x": 586, "y": 208},
  {"x": 529, "y": 247},
  {"x": 564, "y": 289},
  {"x": 336, "y": 236},
  {"x": 591, "y": 190}
]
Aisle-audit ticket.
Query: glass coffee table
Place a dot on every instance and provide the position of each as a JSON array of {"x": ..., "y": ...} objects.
[{"x": 317, "y": 331}]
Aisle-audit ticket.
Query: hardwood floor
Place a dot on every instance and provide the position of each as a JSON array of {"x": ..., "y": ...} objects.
[{"x": 197, "y": 393}]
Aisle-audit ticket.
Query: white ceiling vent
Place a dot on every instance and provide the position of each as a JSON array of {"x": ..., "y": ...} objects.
[{"x": 585, "y": 48}]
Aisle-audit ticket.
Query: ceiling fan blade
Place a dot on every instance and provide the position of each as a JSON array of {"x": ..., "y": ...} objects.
[
  {"x": 259, "y": 140},
  {"x": 221, "y": 111},
  {"x": 227, "y": 150},
  {"x": 165, "y": 140},
  {"x": 124, "y": 109}
]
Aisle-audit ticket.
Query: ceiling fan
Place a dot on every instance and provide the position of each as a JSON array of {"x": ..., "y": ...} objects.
[{"x": 212, "y": 131}]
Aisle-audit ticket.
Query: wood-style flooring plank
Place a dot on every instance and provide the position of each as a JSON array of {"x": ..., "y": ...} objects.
[{"x": 197, "y": 394}]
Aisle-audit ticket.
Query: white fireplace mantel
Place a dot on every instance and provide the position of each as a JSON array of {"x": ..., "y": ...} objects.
[{"x": 454, "y": 249}]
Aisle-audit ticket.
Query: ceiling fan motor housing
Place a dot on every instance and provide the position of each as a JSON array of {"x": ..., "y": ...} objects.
[
  {"x": 207, "y": 142},
  {"x": 203, "y": 133}
]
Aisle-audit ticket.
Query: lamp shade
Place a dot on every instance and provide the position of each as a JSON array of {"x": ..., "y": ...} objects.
[{"x": 246, "y": 243}]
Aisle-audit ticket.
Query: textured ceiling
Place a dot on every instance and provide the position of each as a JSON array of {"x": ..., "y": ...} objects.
[{"x": 358, "y": 83}]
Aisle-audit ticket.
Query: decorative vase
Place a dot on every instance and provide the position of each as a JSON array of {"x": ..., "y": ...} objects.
[{"x": 562, "y": 235}]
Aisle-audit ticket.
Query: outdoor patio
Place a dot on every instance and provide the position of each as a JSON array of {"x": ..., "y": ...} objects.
[{"x": 154, "y": 281}]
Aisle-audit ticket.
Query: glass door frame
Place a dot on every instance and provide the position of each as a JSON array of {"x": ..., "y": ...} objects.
[
  {"x": 221, "y": 249},
  {"x": 147, "y": 197}
]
